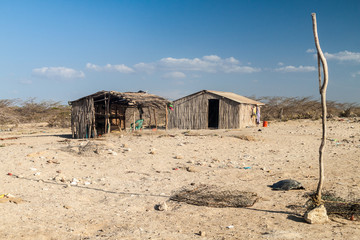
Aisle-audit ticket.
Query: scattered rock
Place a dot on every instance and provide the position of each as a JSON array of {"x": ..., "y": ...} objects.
[
  {"x": 191, "y": 169},
  {"x": 179, "y": 157},
  {"x": 318, "y": 215},
  {"x": 35, "y": 154},
  {"x": 74, "y": 182},
  {"x": 152, "y": 151},
  {"x": 286, "y": 185},
  {"x": 112, "y": 152},
  {"x": 161, "y": 206}
]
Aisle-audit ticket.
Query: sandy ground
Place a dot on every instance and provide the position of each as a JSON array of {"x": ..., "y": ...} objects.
[{"x": 108, "y": 188}]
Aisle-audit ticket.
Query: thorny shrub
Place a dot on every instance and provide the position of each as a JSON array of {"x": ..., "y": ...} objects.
[
  {"x": 289, "y": 108},
  {"x": 15, "y": 111}
]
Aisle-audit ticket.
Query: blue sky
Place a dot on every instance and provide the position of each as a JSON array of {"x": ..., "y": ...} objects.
[{"x": 64, "y": 50}]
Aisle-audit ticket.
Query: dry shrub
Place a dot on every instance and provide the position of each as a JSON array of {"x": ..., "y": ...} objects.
[
  {"x": 215, "y": 196},
  {"x": 7, "y": 112},
  {"x": 245, "y": 137},
  {"x": 16, "y": 111},
  {"x": 289, "y": 108}
]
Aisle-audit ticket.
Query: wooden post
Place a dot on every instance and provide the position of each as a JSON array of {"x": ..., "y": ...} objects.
[
  {"x": 108, "y": 115},
  {"x": 322, "y": 87},
  {"x": 155, "y": 118},
  {"x": 150, "y": 117},
  {"x": 134, "y": 122},
  {"x": 105, "y": 111},
  {"x": 166, "y": 119}
]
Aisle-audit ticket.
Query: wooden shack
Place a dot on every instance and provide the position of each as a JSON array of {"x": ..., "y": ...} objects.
[
  {"x": 105, "y": 111},
  {"x": 214, "y": 109}
]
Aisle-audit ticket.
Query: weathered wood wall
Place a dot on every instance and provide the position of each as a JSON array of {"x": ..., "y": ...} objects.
[
  {"x": 192, "y": 113},
  {"x": 246, "y": 118},
  {"x": 83, "y": 119}
]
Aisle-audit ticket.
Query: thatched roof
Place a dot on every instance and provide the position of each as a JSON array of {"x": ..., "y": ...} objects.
[
  {"x": 229, "y": 95},
  {"x": 129, "y": 99}
]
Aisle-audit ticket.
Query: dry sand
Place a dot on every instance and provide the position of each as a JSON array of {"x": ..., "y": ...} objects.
[{"x": 108, "y": 188}]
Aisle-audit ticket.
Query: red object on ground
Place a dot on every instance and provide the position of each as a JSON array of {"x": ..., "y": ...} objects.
[
  {"x": 10, "y": 174},
  {"x": 265, "y": 123}
]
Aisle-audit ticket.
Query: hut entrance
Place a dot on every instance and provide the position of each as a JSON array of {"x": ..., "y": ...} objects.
[{"x": 213, "y": 113}]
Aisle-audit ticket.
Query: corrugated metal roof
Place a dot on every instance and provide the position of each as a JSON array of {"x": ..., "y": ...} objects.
[{"x": 235, "y": 97}]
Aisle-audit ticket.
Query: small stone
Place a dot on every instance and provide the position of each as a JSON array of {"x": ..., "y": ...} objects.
[
  {"x": 318, "y": 215},
  {"x": 161, "y": 207},
  {"x": 179, "y": 157},
  {"x": 66, "y": 207},
  {"x": 202, "y": 233},
  {"x": 191, "y": 169},
  {"x": 112, "y": 152}
]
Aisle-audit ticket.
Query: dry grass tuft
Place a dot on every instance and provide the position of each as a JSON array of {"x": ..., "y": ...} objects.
[{"x": 215, "y": 196}]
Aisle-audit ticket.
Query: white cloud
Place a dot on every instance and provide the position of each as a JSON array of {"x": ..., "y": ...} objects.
[
  {"x": 186, "y": 64},
  {"x": 26, "y": 82},
  {"x": 212, "y": 58},
  {"x": 232, "y": 60},
  {"x": 145, "y": 67},
  {"x": 343, "y": 56},
  {"x": 208, "y": 64},
  {"x": 280, "y": 63},
  {"x": 355, "y": 74},
  {"x": 211, "y": 64},
  {"x": 296, "y": 69},
  {"x": 174, "y": 75},
  {"x": 240, "y": 69},
  {"x": 93, "y": 67},
  {"x": 57, "y": 73},
  {"x": 310, "y": 50},
  {"x": 109, "y": 67}
]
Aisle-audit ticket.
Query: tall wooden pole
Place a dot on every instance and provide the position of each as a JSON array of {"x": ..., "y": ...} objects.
[{"x": 322, "y": 87}]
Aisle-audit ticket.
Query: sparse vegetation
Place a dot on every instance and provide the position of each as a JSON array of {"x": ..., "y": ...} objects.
[
  {"x": 55, "y": 114},
  {"x": 15, "y": 111},
  {"x": 289, "y": 108}
]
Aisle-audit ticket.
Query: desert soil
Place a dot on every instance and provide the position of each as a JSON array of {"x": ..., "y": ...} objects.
[{"x": 108, "y": 188}]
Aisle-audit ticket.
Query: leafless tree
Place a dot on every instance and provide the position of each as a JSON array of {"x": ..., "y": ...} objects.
[{"x": 322, "y": 65}]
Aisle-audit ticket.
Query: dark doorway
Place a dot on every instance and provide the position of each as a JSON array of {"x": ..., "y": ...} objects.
[{"x": 213, "y": 113}]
